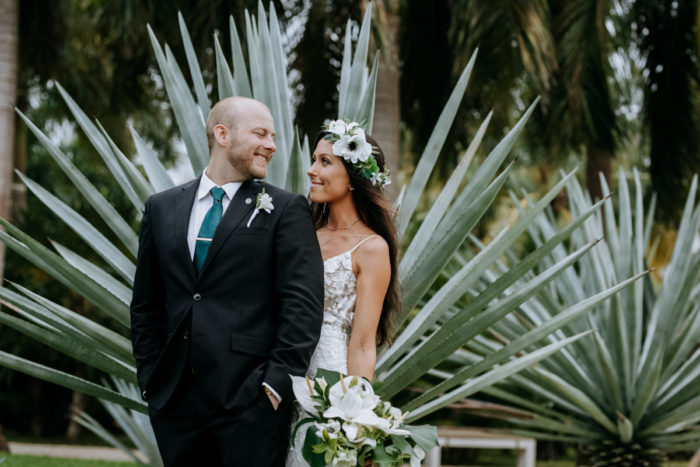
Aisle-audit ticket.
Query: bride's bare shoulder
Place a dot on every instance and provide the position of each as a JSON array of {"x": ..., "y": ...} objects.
[{"x": 373, "y": 250}]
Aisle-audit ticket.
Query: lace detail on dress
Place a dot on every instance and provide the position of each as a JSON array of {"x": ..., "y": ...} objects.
[
  {"x": 339, "y": 310},
  {"x": 338, "y": 313}
]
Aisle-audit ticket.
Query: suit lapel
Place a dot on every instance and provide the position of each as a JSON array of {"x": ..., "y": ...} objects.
[
  {"x": 236, "y": 211},
  {"x": 182, "y": 209}
]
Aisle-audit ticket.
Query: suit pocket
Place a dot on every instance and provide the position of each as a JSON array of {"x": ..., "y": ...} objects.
[{"x": 250, "y": 345}]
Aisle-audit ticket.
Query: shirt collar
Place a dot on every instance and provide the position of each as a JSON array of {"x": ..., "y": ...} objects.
[{"x": 206, "y": 184}]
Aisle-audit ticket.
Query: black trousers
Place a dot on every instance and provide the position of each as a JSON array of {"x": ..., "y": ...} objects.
[{"x": 191, "y": 432}]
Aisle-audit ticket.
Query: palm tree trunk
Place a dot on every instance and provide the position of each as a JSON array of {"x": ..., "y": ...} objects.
[
  {"x": 598, "y": 161},
  {"x": 36, "y": 423},
  {"x": 76, "y": 406},
  {"x": 78, "y": 401},
  {"x": 9, "y": 14},
  {"x": 4, "y": 445},
  {"x": 387, "y": 113}
]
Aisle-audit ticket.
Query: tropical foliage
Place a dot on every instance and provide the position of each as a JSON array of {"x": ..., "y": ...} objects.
[
  {"x": 608, "y": 71},
  {"x": 438, "y": 276},
  {"x": 627, "y": 393}
]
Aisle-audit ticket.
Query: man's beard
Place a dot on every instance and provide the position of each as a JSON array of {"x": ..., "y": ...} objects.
[{"x": 244, "y": 163}]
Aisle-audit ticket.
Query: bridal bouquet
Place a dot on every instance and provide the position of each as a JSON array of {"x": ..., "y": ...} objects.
[{"x": 348, "y": 425}]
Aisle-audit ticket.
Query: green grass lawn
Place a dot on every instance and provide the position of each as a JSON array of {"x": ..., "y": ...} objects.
[
  {"x": 86, "y": 439},
  {"x": 506, "y": 458},
  {"x": 9, "y": 460},
  {"x": 571, "y": 464}
]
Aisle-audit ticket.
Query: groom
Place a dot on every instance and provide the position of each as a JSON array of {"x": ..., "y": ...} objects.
[{"x": 228, "y": 301}]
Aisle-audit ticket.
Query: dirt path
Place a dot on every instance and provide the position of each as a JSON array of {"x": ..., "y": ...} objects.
[{"x": 70, "y": 451}]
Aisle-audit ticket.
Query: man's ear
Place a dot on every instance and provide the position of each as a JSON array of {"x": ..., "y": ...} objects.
[{"x": 221, "y": 134}]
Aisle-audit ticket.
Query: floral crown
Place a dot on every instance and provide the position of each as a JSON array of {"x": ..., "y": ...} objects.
[{"x": 350, "y": 143}]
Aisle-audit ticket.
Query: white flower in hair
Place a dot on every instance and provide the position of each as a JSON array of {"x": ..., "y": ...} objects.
[
  {"x": 337, "y": 127},
  {"x": 380, "y": 179},
  {"x": 353, "y": 148}
]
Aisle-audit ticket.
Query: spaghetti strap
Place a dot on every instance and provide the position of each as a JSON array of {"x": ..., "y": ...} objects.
[{"x": 362, "y": 241}]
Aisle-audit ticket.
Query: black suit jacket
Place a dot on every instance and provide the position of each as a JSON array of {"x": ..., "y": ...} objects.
[{"x": 252, "y": 315}]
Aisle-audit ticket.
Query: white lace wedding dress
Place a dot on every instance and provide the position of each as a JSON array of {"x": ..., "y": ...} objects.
[{"x": 332, "y": 350}]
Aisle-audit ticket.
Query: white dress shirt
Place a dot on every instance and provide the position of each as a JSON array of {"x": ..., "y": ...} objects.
[{"x": 202, "y": 203}]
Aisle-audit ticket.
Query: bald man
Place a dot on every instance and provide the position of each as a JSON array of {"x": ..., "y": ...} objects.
[{"x": 227, "y": 302}]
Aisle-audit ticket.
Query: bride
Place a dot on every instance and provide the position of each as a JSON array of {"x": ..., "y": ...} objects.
[{"x": 355, "y": 229}]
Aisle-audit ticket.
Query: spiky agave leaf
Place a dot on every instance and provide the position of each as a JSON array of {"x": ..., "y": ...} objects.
[
  {"x": 135, "y": 424},
  {"x": 634, "y": 383}
]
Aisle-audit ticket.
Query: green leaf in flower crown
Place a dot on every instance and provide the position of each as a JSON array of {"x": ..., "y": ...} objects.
[{"x": 367, "y": 168}]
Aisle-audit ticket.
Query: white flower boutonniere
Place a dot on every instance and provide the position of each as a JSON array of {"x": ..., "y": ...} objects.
[{"x": 263, "y": 202}]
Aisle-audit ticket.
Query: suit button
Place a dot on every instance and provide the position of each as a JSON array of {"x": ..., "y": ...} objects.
[
  {"x": 144, "y": 394},
  {"x": 197, "y": 297},
  {"x": 186, "y": 335}
]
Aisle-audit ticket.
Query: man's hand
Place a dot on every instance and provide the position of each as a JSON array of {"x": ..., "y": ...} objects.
[
  {"x": 273, "y": 400},
  {"x": 270, "y": 395}
]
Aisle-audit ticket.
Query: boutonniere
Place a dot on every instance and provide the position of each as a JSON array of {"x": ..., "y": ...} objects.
[{"x": 263, "y": 202}]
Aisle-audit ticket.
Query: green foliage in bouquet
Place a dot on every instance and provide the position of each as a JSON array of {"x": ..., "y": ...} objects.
[
  {"x": 628, "y": 393},
  {"x": 442, "y": 316}
]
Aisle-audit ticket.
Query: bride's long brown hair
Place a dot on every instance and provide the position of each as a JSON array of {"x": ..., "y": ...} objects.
[{"x": 378, "y": 214}]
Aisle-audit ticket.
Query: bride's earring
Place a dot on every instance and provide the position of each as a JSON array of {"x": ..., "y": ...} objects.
[{"x": 351, "y": 188}]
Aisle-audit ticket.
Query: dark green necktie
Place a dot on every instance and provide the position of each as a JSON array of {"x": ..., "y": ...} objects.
[{"x": 209, "y": 224}]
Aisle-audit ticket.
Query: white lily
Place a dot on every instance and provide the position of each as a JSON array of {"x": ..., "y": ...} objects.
[
  {"x": 350, "y": 396},
  {"x": 322, "y": 383},
  {"x": 301, "y": 389},
  {"x": 355, "y": 405},
  {"x": 353, "y": 432}
]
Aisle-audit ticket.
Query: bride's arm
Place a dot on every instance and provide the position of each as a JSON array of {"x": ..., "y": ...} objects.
[{"x": 371, "y": 262}]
